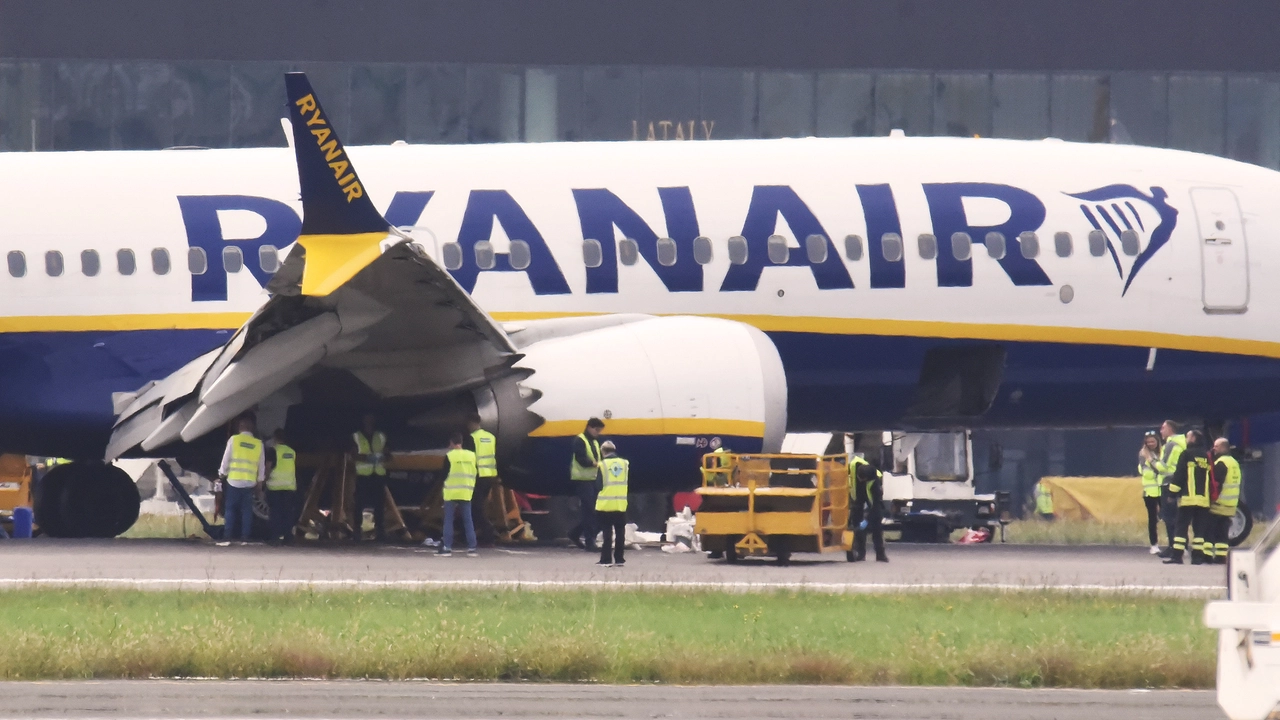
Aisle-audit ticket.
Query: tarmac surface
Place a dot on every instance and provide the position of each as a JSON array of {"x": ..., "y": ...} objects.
[
  {"x": 369, "y": 699},
  {"x": 169, "y": 564}
]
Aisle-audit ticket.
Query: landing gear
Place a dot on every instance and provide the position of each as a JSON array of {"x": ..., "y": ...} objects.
[
  {"x": 86, "y": 499},
  {"x": 1241, "y": 525}
]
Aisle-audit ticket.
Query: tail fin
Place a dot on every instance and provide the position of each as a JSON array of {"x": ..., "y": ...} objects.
[{"x": 341, "y": 229}]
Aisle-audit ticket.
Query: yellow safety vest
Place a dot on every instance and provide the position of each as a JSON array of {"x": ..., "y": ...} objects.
[
  {"x": 246, "y": 455},
  {"x": 1044, "y": 499},
  {"x": 585, "y": 473},
  {"x": 613, "y": 494},
  {"x": 486, "y": 453},
  {"x": 284, "y": 475},
  {"x": 1174, "y": 447},
  {"x": 461, "y": 481},
  {"x": 364, "y": 447},
  {"x": 1150, "y": 480},
  {"x": 854, "y": 464},
  {"x": 1229, "y": 495}
]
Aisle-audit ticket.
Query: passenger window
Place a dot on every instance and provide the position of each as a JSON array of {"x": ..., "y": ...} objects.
[
  {"x": 1129, "y": 242},
  {"x": 452, "y": 253},
  {"x": 702, "y": 253},
  {"x": 1029, "y": 243},
  {"x": 268, "y": 258},
  {"x": 1097, "y": 243},
  {"x": 779, "y": 253},
  {"x": 995, "y": 245},
  {"x": 197, "y": 261},
  {"x": 592, "y": 254},
  {"x": 666, "y": 252},
  {"x": 891, "y": 246},
  {"x": 928, "y": 245},
  {"x": 232, "y": 259},
  {"x": 90, "y": 264},
  {"x": 853, "y": 247},
  {"x": 628, "y": 251},
  {"x": 519, "y": 255},
  {"x": 160, "y": 261},
  {"x": 815, "y": 248},
  {"x": 961, "y": 246},
  {"x": 17, "y": 264},
  {"x": 126, "y": 262},
  {"x": 53, "y": 263},
  {"x": 1062, "y": 244},
  {"x": 484, "y": 255},
  {"x": 738, "y": 250}
]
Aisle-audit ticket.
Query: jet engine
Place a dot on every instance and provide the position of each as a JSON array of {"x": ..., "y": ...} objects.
[{"x": 669, "y": 389}]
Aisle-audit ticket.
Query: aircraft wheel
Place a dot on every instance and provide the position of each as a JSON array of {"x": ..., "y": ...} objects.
[
  {"x": 98, "y": 501},
  {"x": 1241, "y": 525},
  {"x": 47, "y": 501}
]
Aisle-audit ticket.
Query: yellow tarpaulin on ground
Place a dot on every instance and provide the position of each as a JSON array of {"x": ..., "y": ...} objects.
[{"x": 1105, "y": 499}]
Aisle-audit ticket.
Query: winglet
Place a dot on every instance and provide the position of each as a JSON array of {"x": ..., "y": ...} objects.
[{"x": 341, "y": 229}]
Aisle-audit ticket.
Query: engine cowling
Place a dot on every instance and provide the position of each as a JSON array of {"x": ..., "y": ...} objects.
[{"x": 669, "y": 389}]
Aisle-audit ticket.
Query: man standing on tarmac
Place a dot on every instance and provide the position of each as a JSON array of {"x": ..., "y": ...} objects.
[
  {"x": 611, "y": 505},
  {"x": 1174, "y": 444},
  {"x": 282, "y": 487},
  {"x": 485, "y": 446},
  {"x": 1147, "y": 458},
  {"x": 866, "y": 498},
  {"x": 459, "y": 486},
  {"x": 1190, "y": 484},
  {"x": 243, "y": 467},
  {"x": 1226, "y": 471},
  {"x": 371, "y": 477},
  {"x": 583, "y": 470}
]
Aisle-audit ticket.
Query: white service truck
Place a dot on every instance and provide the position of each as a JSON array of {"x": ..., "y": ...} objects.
[
  {"x": 929, "y": 487},
  {"x": 1248, "y": 625}
]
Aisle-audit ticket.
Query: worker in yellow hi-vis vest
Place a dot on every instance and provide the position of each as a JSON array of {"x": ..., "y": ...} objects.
[
  {"x": 243, "y": 467},
  {"x": 459, "y": 485},
  {"x": 583, "y": 472},
  {"x": 611, "y": 505},
  {"x": 1151, "y": 490},
  {"x": 282, "y": 488},
  {"x": 485, "y": 446},
  {"x": 370, "y": 445},
  {"x": 1222, "y": 509}
]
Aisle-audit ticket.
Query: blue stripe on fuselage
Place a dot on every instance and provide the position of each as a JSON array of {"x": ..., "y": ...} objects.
[{"x": 55, "y": 388}]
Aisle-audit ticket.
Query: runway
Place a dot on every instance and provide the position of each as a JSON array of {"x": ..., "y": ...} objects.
[
  {"x": 170, "y": 564},
  {"x": 370, "y": 699}
]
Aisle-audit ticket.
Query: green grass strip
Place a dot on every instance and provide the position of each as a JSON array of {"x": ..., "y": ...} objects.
[{"x": 1024, "y": 639}]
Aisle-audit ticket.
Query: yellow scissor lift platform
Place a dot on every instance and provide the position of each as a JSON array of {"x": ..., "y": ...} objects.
[{"x": 773, "y": 505}]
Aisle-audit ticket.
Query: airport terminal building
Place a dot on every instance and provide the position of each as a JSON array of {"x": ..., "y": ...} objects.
[{"x": 209, "y": 74}]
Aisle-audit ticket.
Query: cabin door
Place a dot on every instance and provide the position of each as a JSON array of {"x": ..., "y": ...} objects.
[{"x": 1224, "y": 255}]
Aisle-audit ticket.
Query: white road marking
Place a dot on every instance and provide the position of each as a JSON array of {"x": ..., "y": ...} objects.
[{"x": 290, "y": 583}]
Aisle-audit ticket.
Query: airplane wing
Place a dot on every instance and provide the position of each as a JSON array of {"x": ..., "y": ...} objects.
[{"x": 359, "y": 317}]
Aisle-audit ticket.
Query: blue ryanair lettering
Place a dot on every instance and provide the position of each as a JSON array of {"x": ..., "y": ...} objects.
[
  {"x": 767, "y": 202},
  {"x": 881, "y": 213},
  {"x": 946, "y": 208},
  {"x": 600, "y": 211},
  {"x": 483, "y": 208},
  {"x": 200, "y": 217}
]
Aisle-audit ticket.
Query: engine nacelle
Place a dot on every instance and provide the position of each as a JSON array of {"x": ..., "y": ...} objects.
[{"x": 669, "y": 389}]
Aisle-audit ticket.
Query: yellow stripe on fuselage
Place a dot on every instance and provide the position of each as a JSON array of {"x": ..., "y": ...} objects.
[
  {"x": 768, "y": 323},
  {"x": 658, "y": 426}
]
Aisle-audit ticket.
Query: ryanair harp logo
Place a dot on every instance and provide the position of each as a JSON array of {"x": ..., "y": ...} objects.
[{"x": 329, "y": 145}]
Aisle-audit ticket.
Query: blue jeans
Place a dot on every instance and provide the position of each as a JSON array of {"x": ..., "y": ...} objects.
[
  {"x": 239, "y": 512},
  {"x": 468, "y": 524}
]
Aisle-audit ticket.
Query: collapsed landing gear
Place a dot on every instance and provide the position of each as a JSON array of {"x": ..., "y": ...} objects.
[{"x": 86, "y": 499}]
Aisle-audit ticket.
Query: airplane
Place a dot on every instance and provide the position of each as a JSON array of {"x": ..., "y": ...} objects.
[{"x": 690, "y": 294}]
